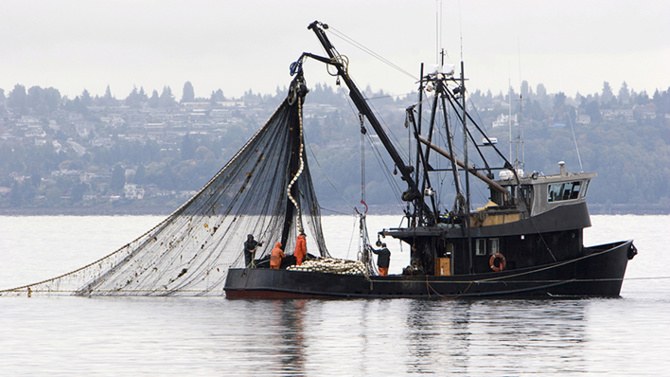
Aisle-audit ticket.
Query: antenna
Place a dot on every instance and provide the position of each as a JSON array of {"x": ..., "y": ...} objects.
[
  {"x": 438, "y": 30},
  {"x": 520, "y": 118},
  {"x": 519, "y": 138},
  {"x": 509, "y": 115},
  {"x": 460, "y": 27}
]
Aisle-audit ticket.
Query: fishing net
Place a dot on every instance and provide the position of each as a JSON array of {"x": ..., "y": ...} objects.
[{"x": 264, "y": 190}]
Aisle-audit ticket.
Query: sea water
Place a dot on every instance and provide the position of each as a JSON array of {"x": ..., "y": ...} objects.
[{"x": 149, "y": 336}]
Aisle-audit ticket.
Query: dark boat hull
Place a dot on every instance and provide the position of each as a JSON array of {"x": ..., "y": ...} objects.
[{"x": 598, "y": 273}]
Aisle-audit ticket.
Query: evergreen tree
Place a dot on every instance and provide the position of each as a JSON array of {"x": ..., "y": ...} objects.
[
  {"x": 642, "y": 98},
  {"x": 217, "y": 96},
  {"x": 154, "y": 101},
  {"x": 17, "y": 99},
  {"x": 525, "y": 90},
  {"x": 118, "y": 178},
  {"x": 78, "y": 192},
  {"x": 108, "y": 99},
  {"x": 85, "y": 98},
  {"x": 133, "y": 100},
  {"x": 16, "y": 195},
  {"x": 607, "y": 97},
  {"x": 559, "y": 106},
  {"x": 166, "y": 98},
  {"x": 188, "y": 93},
  {"x": 188, "y": 148},
  {"x": 140, "y": 175},
  {"x": 662, "y": 101},
  {"x": 591, "y": 108},
  {"x": 624, "y": 94}
]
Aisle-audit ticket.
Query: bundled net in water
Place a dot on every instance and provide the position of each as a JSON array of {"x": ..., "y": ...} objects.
[{"x": 265, "y": 190}]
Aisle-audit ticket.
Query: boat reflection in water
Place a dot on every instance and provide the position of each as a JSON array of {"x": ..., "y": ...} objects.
[{"x": 374, "y": 337}]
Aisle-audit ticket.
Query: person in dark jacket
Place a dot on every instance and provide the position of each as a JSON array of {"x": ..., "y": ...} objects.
[
  {"x": 383, "y": 259},
  {"x": 250, "y": 246}
]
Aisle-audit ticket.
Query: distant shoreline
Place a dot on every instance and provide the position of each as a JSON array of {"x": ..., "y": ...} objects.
[
  {"x": 594, "y": 209},
  {"x": 85, "y": 212}
]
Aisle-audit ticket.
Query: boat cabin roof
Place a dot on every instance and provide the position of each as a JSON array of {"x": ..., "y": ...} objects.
[{"x": 541, "y": 193}]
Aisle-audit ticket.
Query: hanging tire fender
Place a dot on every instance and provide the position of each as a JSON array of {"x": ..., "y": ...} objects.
[{"x": 501, "y": 264}]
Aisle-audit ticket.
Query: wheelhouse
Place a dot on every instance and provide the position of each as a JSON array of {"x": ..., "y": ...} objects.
[{"x": 537, "y": 194}]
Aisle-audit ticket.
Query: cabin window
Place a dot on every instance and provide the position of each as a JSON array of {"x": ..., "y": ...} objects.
[
  {"x": 480, "y": 246},
  {"x": 494, "y": 245},
  {"x": 487, "y": 246},
  {"x": 563, "y": 191},
  {"x": 526, "y": 194},
  {"x": 510, "y": 191},
  {"x": 586, "y": 188}
]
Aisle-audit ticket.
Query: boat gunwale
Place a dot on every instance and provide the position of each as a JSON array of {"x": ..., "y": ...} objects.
[{"x": 476, "y": 279}]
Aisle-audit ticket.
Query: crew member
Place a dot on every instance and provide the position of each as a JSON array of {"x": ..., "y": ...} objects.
[
  {"x": 277, "y": 255},
  {"x": 250, "y": 249},
  {"x": 383, "y": 259},
  {"x": 300, "y": 249}
]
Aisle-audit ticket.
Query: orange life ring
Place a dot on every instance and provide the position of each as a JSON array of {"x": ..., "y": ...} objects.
[{"x": 501, "y": 265}]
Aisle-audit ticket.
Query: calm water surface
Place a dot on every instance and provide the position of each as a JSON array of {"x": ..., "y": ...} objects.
[{"x": 73, "y": 336}]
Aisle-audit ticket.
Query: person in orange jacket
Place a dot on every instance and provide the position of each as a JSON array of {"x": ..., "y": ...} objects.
[
  {"x": 277, "y": 255},
  {"x": 300, "y": 249}
]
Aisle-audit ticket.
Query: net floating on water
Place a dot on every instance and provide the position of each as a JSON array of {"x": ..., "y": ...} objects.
[{"x": 264, "y": 190}]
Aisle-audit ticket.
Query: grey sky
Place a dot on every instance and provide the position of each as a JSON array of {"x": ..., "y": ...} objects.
[{"x": 568, "y": 45}]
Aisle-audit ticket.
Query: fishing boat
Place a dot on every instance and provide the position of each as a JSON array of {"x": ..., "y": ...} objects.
[{"x": 527, "y": 241}]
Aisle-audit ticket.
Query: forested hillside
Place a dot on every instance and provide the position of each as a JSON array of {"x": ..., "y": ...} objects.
[{"x": 149, "y": 153}]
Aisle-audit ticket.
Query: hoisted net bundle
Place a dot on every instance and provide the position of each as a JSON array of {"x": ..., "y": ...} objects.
[
  {"x": 365, "y": 253},
  {"x": 189, "y": 253},
  {"x": 332, "y": 265}
]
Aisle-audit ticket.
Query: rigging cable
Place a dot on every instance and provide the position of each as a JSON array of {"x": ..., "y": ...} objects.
[
  {"x": 329, "y": 181},
  {"x": 385, "y": 170},
  {"x": 574, "y": 139},
  {"x": 440, "y": 122},
  {"x": 389, "y": 131},
  {"x": 380, "y": 160},
  {"x": 360, "y": 46}
]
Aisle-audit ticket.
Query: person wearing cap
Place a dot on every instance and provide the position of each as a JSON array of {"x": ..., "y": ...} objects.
[
  {"x": 383, "y": 259},
  {"x": 300, "y": 249},
  {"x": 277, "y": 256},
  {"x": 250, "y": 246}
]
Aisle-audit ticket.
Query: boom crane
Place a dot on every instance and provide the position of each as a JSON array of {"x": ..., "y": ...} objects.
[{"x": 412, "y": 194}]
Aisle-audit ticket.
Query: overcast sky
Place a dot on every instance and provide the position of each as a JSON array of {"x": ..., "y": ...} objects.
[{"x": 568, "y": 45}]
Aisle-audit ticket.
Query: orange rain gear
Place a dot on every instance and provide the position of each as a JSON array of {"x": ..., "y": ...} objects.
[
  {"x": 300, "y": 249},
  {"x": 277, "y": 255}
]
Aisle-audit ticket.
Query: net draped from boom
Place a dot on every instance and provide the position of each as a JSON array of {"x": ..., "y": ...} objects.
[{"x": 264, "y": 190}]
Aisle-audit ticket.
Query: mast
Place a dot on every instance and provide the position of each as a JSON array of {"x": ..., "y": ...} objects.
[
  {"x": 423, "y": 213},
  {"x": 466, "y": 220},
  {"x": 520, "y": 121},
  {"x": 509, "y": 117},
  {"x": 417, "y": 130}
]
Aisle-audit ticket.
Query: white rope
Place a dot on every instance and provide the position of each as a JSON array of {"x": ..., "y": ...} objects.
[{"x": 300, "y": 169}]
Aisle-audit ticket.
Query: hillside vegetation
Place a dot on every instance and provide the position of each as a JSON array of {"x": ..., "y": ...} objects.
[{"x": 149, "y": 153}]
